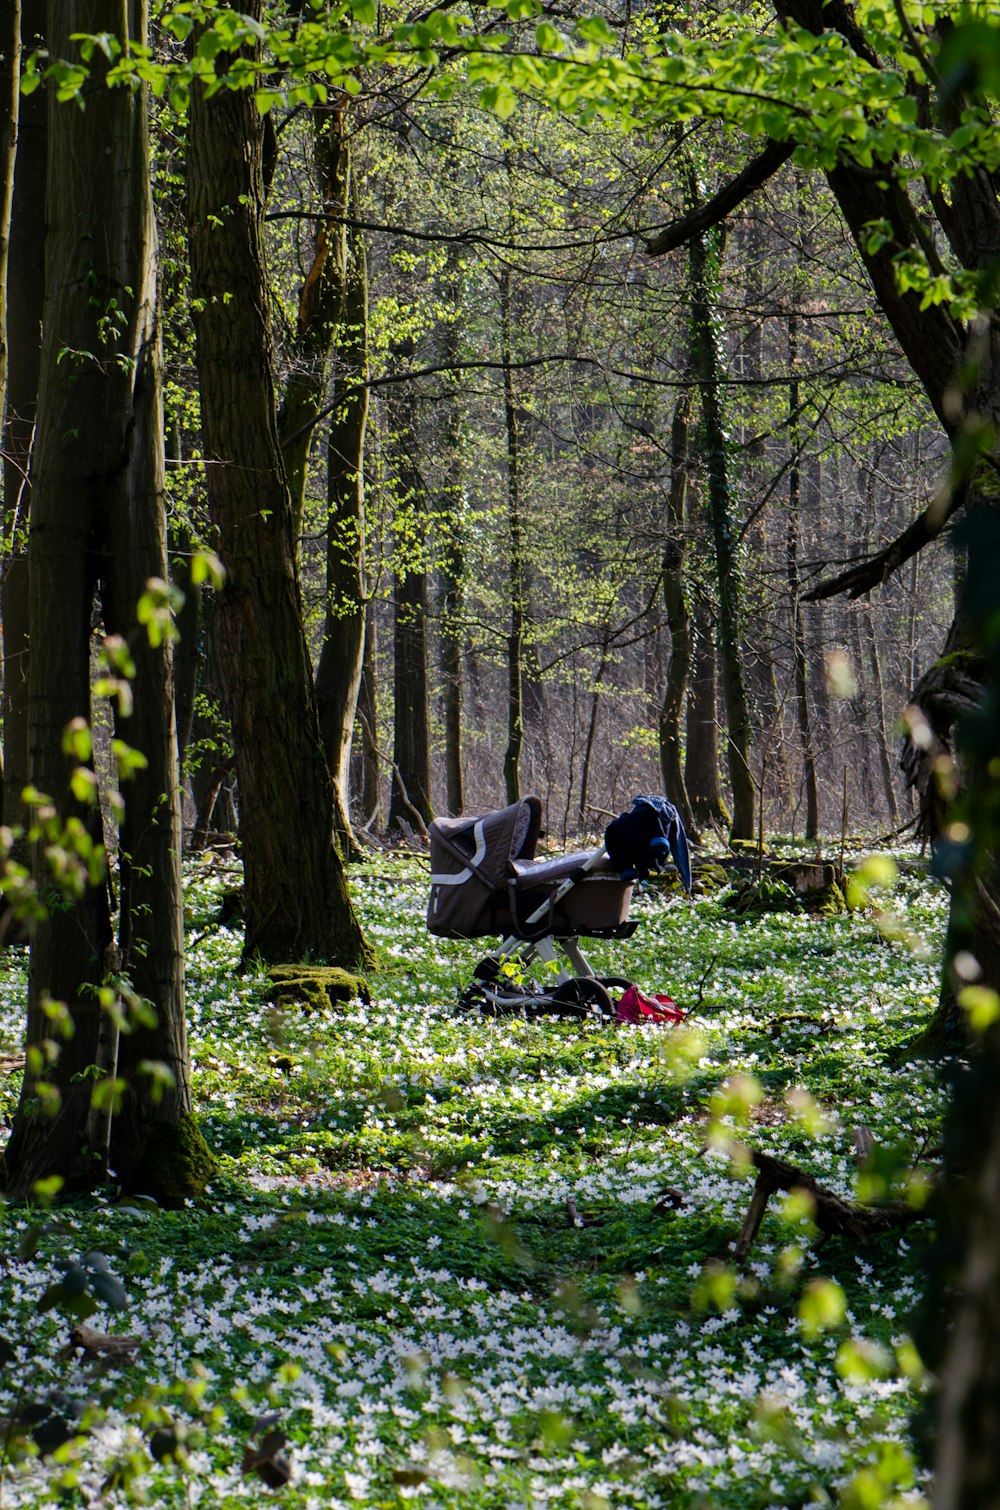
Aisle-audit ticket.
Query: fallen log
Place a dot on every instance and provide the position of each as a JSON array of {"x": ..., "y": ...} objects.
[{"x": 97, "y": 1345}]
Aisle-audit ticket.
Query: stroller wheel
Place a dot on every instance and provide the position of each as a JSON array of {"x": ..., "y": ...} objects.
[
  {"x": 583, "y": 997},
  {"x": 615, "y": 985},
  {"x": 476, "y": 996}
]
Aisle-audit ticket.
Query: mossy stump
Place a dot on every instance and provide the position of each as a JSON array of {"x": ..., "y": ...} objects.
[
  {"x": 819, "y": 886},
  {"x": 706, "y": 877},
  {"x": 315, "y": 988},
  {"x": 749, "y": 898},
  {"x": 748, "y": 849}
]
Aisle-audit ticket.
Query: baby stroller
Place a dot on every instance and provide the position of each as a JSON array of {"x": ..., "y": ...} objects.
[{"x": 485, "y": 881}]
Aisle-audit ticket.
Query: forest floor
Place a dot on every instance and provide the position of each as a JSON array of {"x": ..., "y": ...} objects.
[{"x": 453, "y": 1260}]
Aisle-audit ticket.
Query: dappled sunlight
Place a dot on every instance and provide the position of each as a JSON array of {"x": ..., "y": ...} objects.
[{"x": 461, "y": 1256}]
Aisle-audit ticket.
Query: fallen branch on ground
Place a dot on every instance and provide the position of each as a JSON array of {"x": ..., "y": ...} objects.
[{"x": 834, "y": 1216}]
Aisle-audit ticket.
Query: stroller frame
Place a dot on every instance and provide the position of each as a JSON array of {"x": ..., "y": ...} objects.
[{"x": 578, "y": 991}]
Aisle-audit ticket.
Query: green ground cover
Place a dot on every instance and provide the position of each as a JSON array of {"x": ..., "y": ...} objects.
[{"x": 460, "y": 1261}]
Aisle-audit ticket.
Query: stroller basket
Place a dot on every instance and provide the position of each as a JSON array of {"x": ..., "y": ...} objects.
[{"x": 485, "y": 880}]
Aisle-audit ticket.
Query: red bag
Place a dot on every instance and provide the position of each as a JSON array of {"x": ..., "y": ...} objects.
[{"x": 636, "y": 1006}]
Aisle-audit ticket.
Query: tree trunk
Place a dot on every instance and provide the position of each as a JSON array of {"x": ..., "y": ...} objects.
[
  {"x": 515, "y": 557},
  {"x": 295, "y": 894},
  {"x": 861, "y": 756},
  {"x": 10, "y": 97},
  {"x": 98, "y": 527},
  {"x": 25, "y": 285},
  {"x": 678, "y": 621},
  {"x": 708, "y": 366},
  {"x": 411, "y": 786},
  {"x": 701, "y": 754},
  {"x": 370, "y": 783},
  {"x": 452, "y": 569},
  {"x": 321, "y": 301},
  {"x": 588, "y": 749},
  {"x": 797, "y": 628},
  {"x": 881, "y": 732},
  {"x": 189, "y": 650},
  {"x": 962, "y": 1317},
  {"x": 338, "y": 675}
]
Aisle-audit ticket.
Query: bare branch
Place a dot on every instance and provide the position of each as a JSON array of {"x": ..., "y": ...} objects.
[
  {"x": 756, "y": 173},
  {"x": 879, "y": 568}
]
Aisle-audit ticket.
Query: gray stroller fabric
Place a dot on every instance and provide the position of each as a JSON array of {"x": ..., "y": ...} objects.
[
  {"x": 485, "y": 880},
  {"x": 471, "y": 861}
]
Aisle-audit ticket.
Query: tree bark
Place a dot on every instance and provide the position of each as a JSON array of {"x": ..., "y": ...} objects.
[
  {"x": 10, "y": 96},
  {"x": 338, "y": 675},
  {"x": 515, "y": 556},
  {"x": 701, "y": 754},
  {"x": 321, "y": 301},
  {"x": 296, "y": 900},
  {"x": 370, "y": 784},
  {"x": 411, "y": 785},
  {"x": 452, "y": 568},
  {"x": 678, "y": 620},
  {"x": 878, "y": 694},
  {"x": 588, "y": 749},
  {"x": 98, "y": 527},
  {"x": 797, "y": 628},
  {"x": 23, "y": 315},
  {"x": 708, "y": 366}
]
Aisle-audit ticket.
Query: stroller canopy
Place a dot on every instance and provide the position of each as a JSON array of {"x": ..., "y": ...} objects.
[
  {"x": 485, "y": 880},
  {"x": 483, "y": 849}
]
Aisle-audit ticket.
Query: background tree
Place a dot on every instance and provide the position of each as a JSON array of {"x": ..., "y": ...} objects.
[
  {"x": 296, "y": 900},
  {"x": 23, "y": 282}
]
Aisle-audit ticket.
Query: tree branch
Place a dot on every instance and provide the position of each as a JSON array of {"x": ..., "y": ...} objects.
[
  {"x": 756, "y": 173},
  {"x": 878, "y": 569}
]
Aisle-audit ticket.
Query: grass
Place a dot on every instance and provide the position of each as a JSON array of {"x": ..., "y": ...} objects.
[{"x": 459, "y": 1261}]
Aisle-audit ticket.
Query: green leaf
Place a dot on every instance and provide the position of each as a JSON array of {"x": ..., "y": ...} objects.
[
  {"x": 982, "y": 1006},
  {"x": 823, "y": 1306},
  {"x": 548, "y": 38},
  {"x": 76, "y": 739},
  {"x": 84, "y": 785},
  {"x": 206, "y": 566},
  {"x": 109, "y": 1290}
]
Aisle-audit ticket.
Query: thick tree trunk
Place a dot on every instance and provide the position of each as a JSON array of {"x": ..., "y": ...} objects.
[
  {"x": 25, "y": 282},
  {"x": 962, "y": 1341},
  {"x": 296, "y": 901},
  {"x": 321, "y": 301},
  {"x": 678, "y": 621},
  {"x": 10, "y": 97},
  {"x": 98, "y": 526},
  {"x": 708, "y": 366},
  {"x": 452, "y": 569}
]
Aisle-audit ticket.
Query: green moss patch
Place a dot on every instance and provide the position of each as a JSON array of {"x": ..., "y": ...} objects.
[
  {"x": 316, "y": 988},
  {"x": 177, "y": 1164}
]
